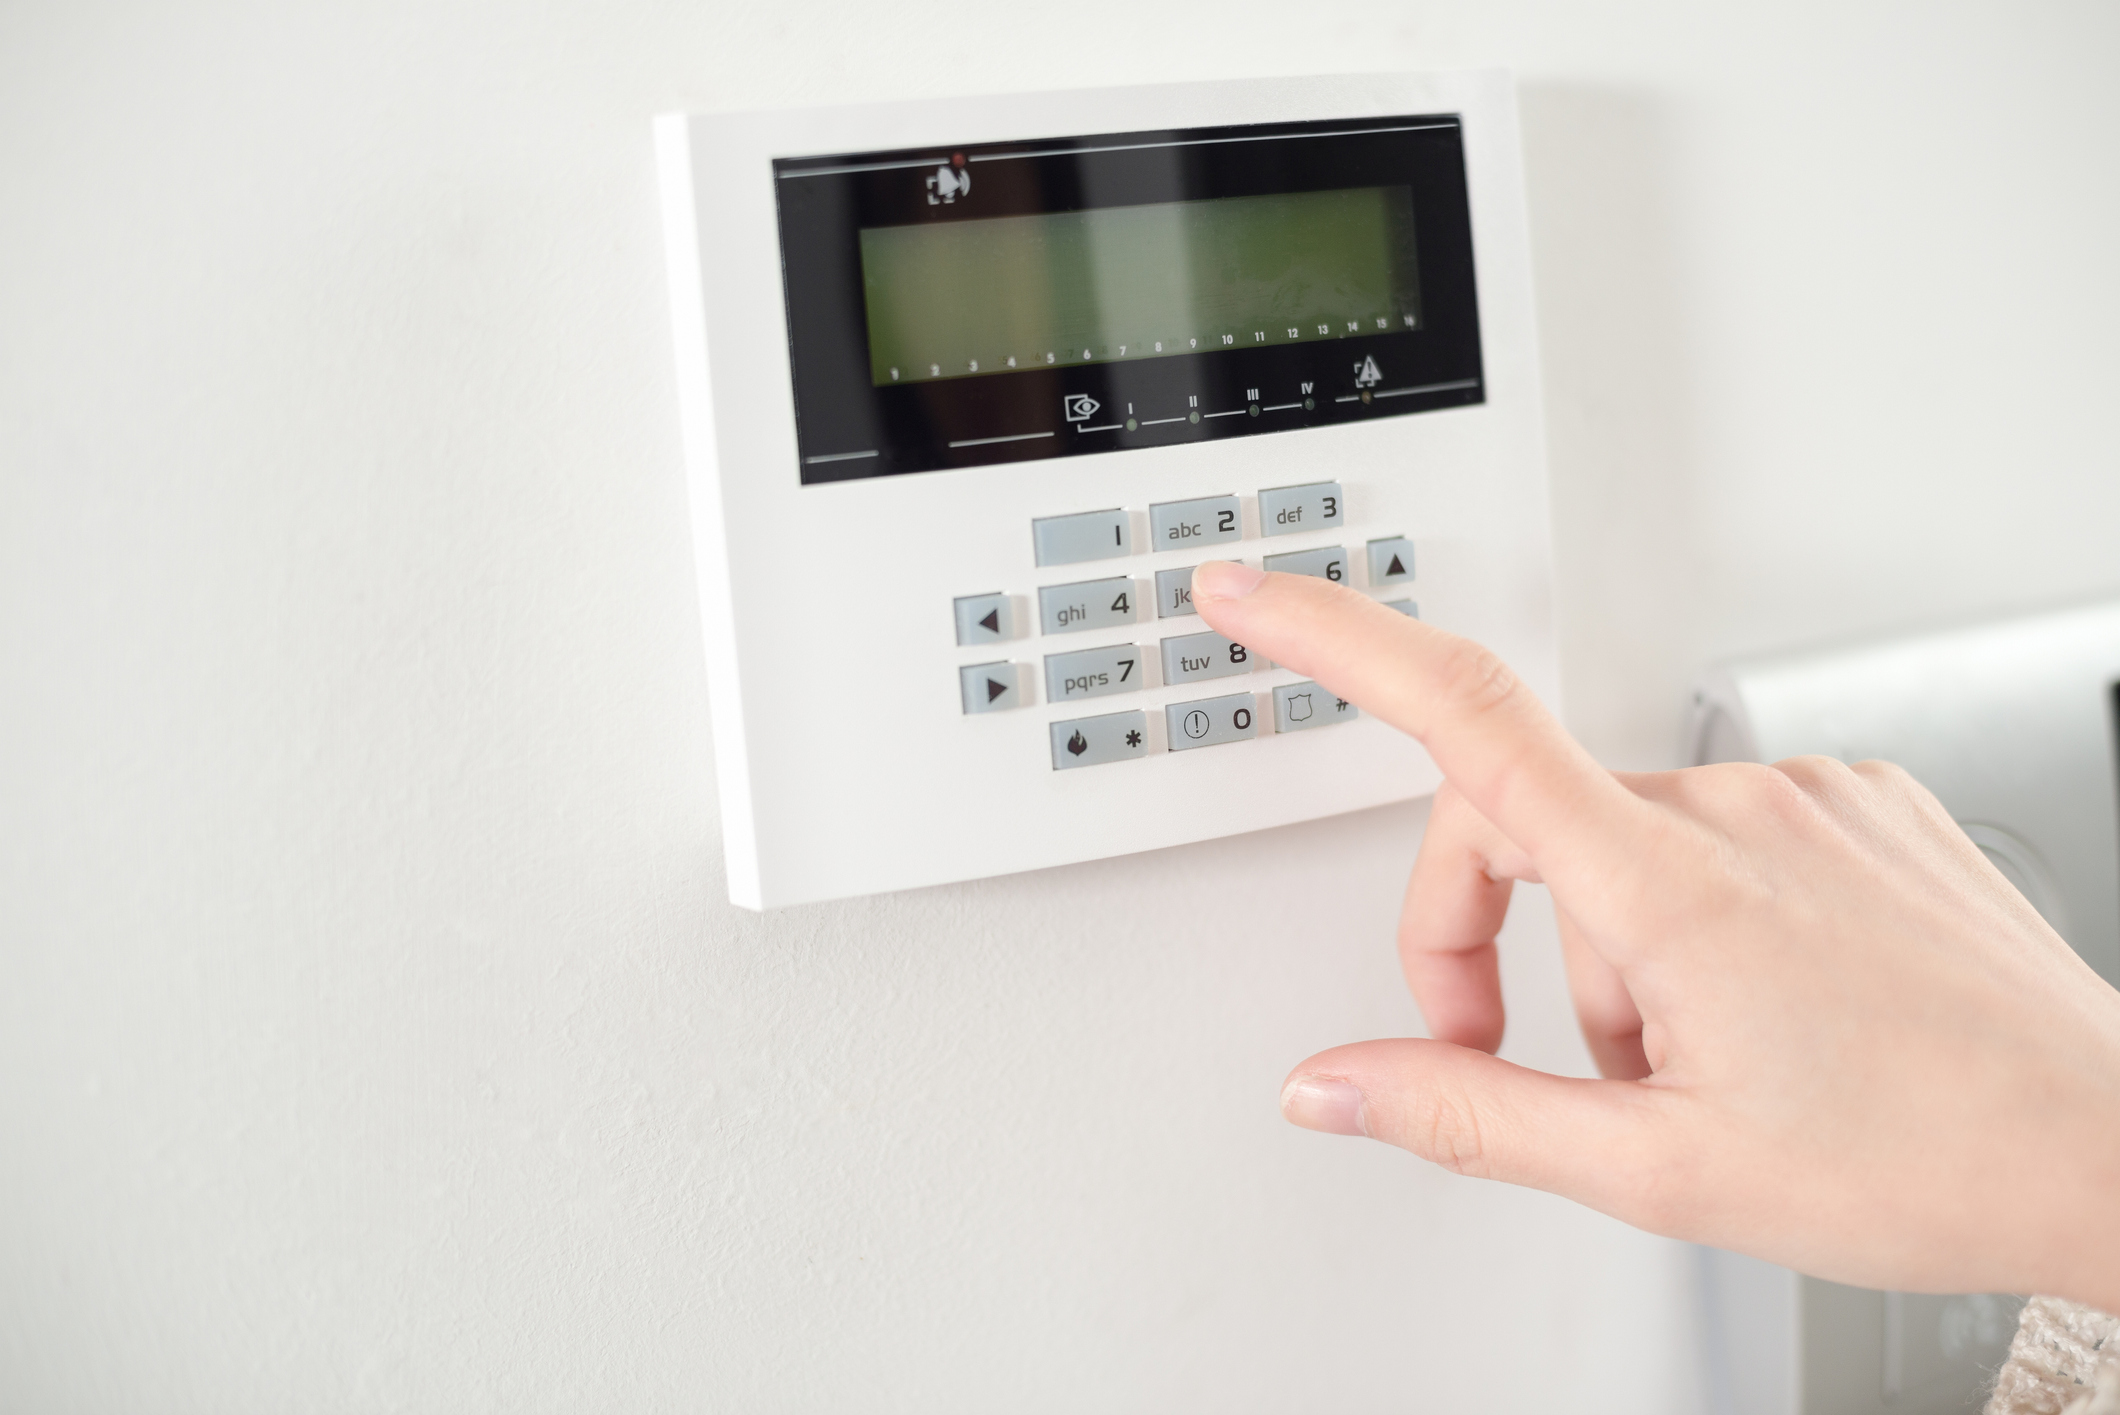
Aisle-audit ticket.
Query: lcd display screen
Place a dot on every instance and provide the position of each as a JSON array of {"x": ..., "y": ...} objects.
[{"x": 979, "y": 298}]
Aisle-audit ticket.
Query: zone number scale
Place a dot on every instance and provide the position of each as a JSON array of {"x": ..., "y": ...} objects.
[{"x": 968, "y": 389}]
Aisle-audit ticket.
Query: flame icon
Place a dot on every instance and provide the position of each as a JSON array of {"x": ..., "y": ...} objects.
[{"x": 1078, "y": 744}]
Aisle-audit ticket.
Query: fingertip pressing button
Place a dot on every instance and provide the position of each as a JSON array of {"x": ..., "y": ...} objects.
[
  {"x": 1174, "y": 592},
  {"x": 990, "y": 687}
]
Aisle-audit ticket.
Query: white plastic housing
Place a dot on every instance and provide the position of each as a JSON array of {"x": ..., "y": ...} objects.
[{"x": 845, "y": 764}]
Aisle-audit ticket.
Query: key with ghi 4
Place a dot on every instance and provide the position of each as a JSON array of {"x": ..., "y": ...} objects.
[{"x": 1087, "y": 604}]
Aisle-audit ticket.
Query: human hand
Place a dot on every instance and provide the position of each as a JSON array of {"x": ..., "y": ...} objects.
[{"x": 1834, "y": 1036}]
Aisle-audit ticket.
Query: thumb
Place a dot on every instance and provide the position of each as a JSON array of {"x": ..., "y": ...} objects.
[{"x": 1608, "y": 1144}]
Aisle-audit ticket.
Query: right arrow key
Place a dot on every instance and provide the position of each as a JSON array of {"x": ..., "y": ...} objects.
[
  {"x": 1390, "y": 561},
  {"x": 990, "y": 687}
]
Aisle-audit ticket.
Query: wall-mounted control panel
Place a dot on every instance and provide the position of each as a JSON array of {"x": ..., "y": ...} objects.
[{"x": 970, "y": 387}]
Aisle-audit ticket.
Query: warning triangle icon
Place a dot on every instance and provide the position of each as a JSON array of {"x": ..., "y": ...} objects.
[
  {"x": 992, "y": 622},
  {"x": 1397, "y": 568},
  {"x": 994, "y": 690}
]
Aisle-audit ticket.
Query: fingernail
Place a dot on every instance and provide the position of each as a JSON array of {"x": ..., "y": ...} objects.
[
  {"x": 1225, "y": 579},
  {"x": 1324, "y": 1103}
]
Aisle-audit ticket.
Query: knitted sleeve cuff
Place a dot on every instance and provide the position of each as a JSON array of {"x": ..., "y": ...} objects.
[{"x": 2065, "y": 1360}]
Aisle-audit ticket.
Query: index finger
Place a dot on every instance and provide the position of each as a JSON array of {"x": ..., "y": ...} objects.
[{"x": 1487, "y": 731}]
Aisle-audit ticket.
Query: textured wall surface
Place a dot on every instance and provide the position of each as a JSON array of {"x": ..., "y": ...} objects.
[{"x": 373, "y": 1032}]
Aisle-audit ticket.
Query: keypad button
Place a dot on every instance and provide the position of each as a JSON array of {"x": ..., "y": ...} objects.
[
  {"x": 990, "y": 687},
  {"x": 1091, "y": 535},
  {"x": 1177, "y": 525},
  {"x": 1329, "y": 563},
  {"x": 1302, "y": 706},
  {"x": 1211, "y": 721},
  {"x": 1404, "y": 606},
  {"x": 1284, "y": 510},
  {"x": 1092, "y": 673},
  {"x": 1174, "y": 592},
  {"x": 1188, "y": 658},
  {"x": 985, "y": 619},
  {"x": 1390, "y": 561},
  {"x": 1086, "y": 604},
  {"x": 1093, "y": 741}
]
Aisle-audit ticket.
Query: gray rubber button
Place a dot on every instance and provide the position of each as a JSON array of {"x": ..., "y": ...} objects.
[
  {"x": 1093, "y": 741},
  {"x": 1329, "y": 563},
  {"x": 1174, "y": 592},
  {"x": 1390, "y": 561},
  {"x": 1090, "y": 535},
  {"x": 1175, "y": 525},
  {"x": 1301, "y": 706},
  {"x": 1404, "y": 606},
  {"x": 1188, "y": 658},
  {"x": 1284, "y": 510},
  {"x": 990, "y": 687},
  {"x": 1086, "y": 604},
  {"x": 1211, "y": 721},
  {"x": 985, "y": 619},
  {"x": 1092, "y": 673}
]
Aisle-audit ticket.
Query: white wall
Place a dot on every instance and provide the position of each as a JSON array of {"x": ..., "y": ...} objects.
[{"x": 373, "y": 1034}]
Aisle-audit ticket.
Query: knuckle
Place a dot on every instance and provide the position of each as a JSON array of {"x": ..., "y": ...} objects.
[
  {"x": 1889, "y": 775},
  {"x": 1815, "y": 773},
  {"x": 1747, "y": 784},
  {"x": 1786, "y": 789},
  {"x": 1476, "y": 678},
  {"x": 1446, "y": 1130}
]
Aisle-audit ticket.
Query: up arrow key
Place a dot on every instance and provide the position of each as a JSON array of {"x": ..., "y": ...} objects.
[{"x": 1390, "y": 560}]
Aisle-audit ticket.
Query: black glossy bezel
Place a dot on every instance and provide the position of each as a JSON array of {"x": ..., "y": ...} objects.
[{"x": 847, "y": 427}]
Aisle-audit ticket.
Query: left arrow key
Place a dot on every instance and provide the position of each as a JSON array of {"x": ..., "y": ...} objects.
[
  {"x": 990, "y": 687},
  {"x": 985, "y": 619}
]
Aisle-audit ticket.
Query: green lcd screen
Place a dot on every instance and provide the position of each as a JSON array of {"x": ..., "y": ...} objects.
[{"x": 962, "y": 299}]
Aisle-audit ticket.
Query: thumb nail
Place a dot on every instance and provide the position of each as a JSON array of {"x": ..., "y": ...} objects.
[
  {"x": 1225, "y": 579},
  {"x": 1324, "y": 1103}
]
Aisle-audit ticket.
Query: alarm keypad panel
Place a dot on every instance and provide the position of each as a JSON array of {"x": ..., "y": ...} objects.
[{"x": 1038, "y": 366}]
